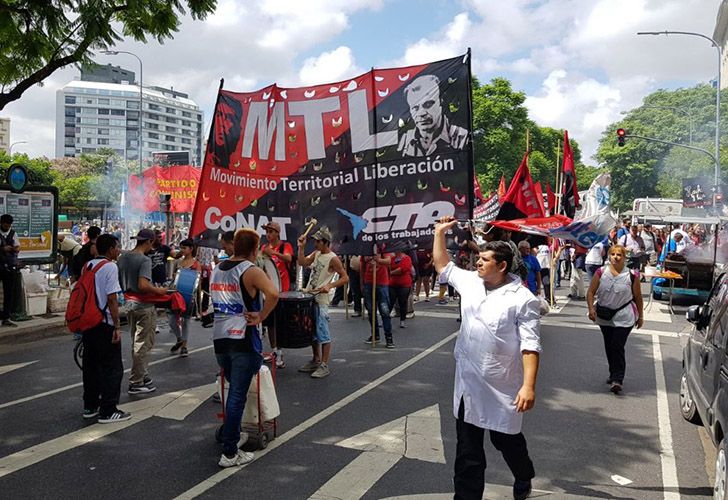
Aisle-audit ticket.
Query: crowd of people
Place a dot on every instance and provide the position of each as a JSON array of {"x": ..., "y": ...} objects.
[{"x": 496, "y": 280}]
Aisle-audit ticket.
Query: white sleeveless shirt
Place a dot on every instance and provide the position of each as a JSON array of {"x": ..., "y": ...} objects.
[
  {"x": 228, "y": 303},
  {"x": 613, "y": 292}
]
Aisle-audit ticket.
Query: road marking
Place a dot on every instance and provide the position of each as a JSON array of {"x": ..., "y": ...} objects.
[
  {"x": 142, "y": 409},
  {"x": 356, "y": 479},
  {"x": 217, "y": 478},
  {"x": 667, "y": 455},
  {"x": 416, "y": 436},
  {"x": 80, "y": 384},
  {"x": 622, "y": 481},
  {"x": 9, "y": 368}
]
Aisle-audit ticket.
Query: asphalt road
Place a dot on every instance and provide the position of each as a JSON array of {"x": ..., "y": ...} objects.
[{"x": 583, "y": 440}]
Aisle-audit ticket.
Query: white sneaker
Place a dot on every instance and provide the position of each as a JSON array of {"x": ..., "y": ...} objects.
[{"x": 240, "y": 458}]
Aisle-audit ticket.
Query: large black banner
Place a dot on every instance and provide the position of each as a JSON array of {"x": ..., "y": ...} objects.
[{"x": 376, "y": 159}]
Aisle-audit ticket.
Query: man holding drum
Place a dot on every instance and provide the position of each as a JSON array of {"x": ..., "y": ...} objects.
[
  {"x": 324, "y": 264},
  {"x": 281, "y": 253}
]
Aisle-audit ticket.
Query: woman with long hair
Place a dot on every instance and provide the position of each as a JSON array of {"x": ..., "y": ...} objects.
[{"x": 617, "y": 310}]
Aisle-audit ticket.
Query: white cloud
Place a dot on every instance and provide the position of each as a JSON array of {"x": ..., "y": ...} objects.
[
  {"x": 448, "y": 43},
  {"x": 332, "y": 66}
]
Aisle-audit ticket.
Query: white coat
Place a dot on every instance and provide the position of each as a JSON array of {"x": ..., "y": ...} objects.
[{"x": 496, "y": 327}]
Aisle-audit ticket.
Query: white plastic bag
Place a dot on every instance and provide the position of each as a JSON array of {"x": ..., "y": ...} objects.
[
  {"x": 268, "y": 399},
  {"x": 544, "y": 307}
]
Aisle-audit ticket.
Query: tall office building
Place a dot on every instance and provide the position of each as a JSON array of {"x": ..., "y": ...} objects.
[
  {"x": 92, "y": 115},
  {"x": 5, "y": 134}
]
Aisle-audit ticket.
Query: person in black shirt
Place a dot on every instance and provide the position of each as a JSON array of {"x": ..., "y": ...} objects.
[
  {"x": 159, "y": 254},
  {"x": 87, "y": 253}
]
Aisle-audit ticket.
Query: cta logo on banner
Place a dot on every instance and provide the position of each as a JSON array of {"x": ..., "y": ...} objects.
[
  {"x": 181, "y": 182},
  {"x": 377, "y": 159}
]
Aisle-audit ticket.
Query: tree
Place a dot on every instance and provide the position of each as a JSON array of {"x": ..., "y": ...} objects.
[
  {"x": 39, "y": 37},
  {"x": 643, "y": 168},
  {"x": 39, "y": 169},
  {"x": 75, "y": 191},
  {"x": 500, "y": 126}
]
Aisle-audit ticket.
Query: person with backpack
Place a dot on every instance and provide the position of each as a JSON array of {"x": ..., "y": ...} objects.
[
  {"x": 617, "y": 310},
  {"x": 93, "y": 309},
  {"x": 9, "y": 248},
  {"x": 135, "y": 275},
  {"x": 281, "y": 253}
]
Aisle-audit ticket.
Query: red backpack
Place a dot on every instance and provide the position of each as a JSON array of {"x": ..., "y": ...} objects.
[{"x": 83, "y": 311}]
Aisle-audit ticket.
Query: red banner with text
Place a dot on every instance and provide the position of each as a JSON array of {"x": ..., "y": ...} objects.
[{"x": 181, "y": 182}]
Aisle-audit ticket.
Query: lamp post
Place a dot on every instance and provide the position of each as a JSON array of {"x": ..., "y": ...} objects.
[
  {"x": 681, "y": 109},
  {"x": 10, "y": 149},
  {"x": 141, "y": 96},
  {"x": 717, "y": 100}
]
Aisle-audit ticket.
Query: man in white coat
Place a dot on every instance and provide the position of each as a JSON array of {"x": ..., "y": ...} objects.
[{"x": 496, "y": 363}]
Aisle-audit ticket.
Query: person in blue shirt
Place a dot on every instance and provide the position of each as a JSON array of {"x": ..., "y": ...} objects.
[
  {"x": 626, "y": 223},
  {"x": 533, "y": 276},
  {"x": 670, "y": 246}
]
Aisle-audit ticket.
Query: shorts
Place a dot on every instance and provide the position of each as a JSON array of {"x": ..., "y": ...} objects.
[{"x": 323, "y": 336}]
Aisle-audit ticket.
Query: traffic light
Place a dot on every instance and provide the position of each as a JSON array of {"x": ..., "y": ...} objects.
[
  {"x": 621, "y": 134},
  {"x": 109, "y": 166}
]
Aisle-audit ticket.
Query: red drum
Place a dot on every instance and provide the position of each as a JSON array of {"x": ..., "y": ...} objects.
[{"x": 295, "y": 316}]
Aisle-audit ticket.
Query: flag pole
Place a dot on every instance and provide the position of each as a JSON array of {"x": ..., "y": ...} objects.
[{"x": 554, "y": 262}]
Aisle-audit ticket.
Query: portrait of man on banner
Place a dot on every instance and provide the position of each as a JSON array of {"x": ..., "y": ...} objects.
[
  {"x": 227, "y": 128},
  {"x": 433, "y": 132}
]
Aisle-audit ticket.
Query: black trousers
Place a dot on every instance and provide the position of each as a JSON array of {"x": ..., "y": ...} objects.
[
  {"x": 615, "y": 338},
  {"x": 399, "y": 294},
  {"x": 102, "y": 370},
  {"x": 8, "y": 279},
  {"x": 470, "y": 460}
]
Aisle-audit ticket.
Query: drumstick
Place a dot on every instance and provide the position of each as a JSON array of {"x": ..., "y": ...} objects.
[{"x": 311, "y": 223}]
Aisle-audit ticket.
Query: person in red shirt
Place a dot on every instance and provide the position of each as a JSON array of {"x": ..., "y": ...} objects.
[
  {"x": 383, "y": 261},
  {"x": 424, "y": 272},
  {"x": 281, "y": 253},
  {"x": 400, "y": 284}
]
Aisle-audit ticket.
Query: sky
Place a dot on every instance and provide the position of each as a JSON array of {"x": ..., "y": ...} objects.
[{"x": 579, "y": 62}]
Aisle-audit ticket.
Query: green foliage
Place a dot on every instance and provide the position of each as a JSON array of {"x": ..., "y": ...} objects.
[
  {"x": 39, "y": 169},
  {"x": 75, "y": 191},
  {"x": 39, "y": 37},
  {"x": 500, "y": 126},
  {"x": 644, "y": 168}
]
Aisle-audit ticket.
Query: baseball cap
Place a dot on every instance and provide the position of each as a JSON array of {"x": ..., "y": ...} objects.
[
  {"x": 274, "y": 226},
  {"x": 322, "y": 234},
  {"x": 144, "y": 234}
]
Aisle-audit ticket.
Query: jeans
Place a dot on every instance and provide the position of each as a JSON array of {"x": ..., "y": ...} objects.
[
  {"x": 179, "y": 325},
  {"x": 142, "y": 323},
  {"x": 239, "y": 369},
  {"x": 615, "y": 338},
  {"x": 102, "y": 370},
  {"x": 400, "y": 294},
  {"x": 470, "y": 460},
  {"x": 591, "y": 270},
  {"x": 382, "y": 307}
]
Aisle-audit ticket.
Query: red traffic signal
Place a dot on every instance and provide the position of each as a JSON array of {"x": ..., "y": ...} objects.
[{"x": 621, "y": 134}]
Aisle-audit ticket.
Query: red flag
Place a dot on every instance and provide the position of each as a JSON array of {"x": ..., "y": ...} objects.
[
  {"x": 539, "y": 198},
  {"x": 476, "y": 189},
  {"x": 550, "y": 199},
  {"x": 570, "y": 193},
  {"x": 502, "y": 187},
  {"x": 521, "y": 199}
]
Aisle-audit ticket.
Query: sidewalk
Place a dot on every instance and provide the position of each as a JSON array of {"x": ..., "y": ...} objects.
[{"x": 39, "y": 327}]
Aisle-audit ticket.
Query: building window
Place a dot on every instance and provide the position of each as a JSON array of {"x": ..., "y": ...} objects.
[
  {"x": 170, "y": 120},
  {"x": 103, "y": 121},
  {"x": 103, "y": 131},
  {"x": 186, "y": 141},
  {"x": 152, "y": 116},
  {"x": 103, "y": 111},
  {"x": 120, "y": 112},
  {"x": 103, "y": 101},
  {"x": 186, "y": 114},
  {"x": 103, "y": 142},
  {"x": 89, "y": 140},
  {"x": 169, "y": 138},
  {"x": 171, "y": 111},
  {"x": 70, "y": 99},
  {"x": 153, "y": 135},
  {"x": 132, "y": 104}
]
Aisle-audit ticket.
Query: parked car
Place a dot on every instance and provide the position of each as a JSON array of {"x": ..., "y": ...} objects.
[{"x": 704, "y": 380}]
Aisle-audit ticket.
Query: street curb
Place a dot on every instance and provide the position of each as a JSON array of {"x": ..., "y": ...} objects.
[{"x": 40, "y": 329}]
